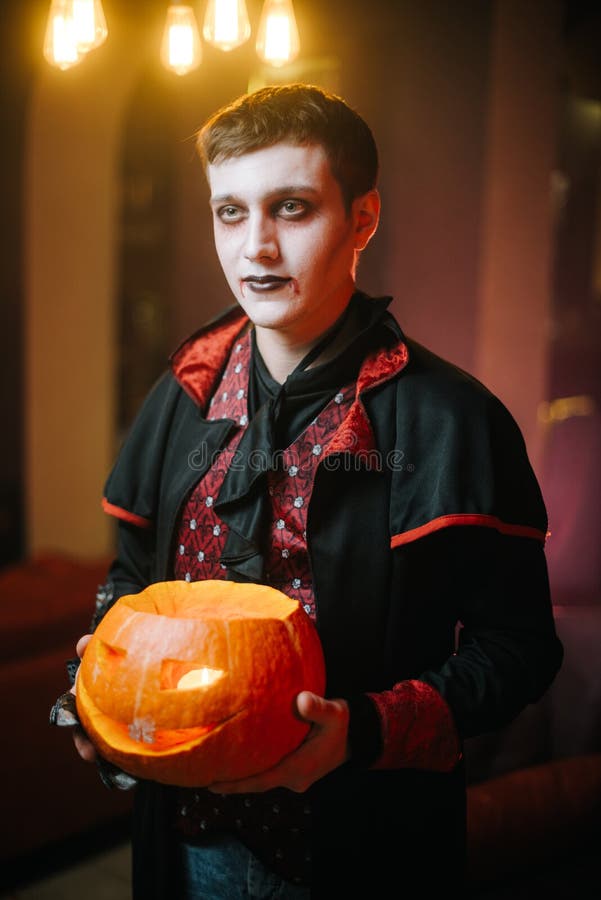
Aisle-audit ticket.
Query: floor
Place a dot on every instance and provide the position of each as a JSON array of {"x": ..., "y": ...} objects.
[{"x": 104, "y": 876}]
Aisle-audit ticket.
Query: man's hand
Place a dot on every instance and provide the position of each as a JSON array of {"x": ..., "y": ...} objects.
[
  {"x": 64, "y": 711},
  {"x": 83, "y": 745},
  {"x": 64, "y": 714},
  {"x": 324, "y": 749}
]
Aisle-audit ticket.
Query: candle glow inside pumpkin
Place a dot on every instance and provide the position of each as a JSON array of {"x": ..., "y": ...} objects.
[{"x": 193, "y": 683}]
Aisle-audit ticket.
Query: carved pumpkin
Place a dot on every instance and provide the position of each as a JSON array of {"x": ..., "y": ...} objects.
[{"x": 189, "y": 684}]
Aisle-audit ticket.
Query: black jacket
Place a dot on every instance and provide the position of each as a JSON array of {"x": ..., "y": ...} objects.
[{"x": 426, "y": 513}]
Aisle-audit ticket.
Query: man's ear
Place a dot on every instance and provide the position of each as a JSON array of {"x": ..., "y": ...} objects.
[{"x": 366, "y": 215}]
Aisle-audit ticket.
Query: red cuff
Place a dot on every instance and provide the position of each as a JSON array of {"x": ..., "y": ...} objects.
[{"x": 418, "y": 731}]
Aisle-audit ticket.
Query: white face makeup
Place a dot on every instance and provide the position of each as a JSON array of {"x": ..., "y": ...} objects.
[{"x": 286, "y": 243}]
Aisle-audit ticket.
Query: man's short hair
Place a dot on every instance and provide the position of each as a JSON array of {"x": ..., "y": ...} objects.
[{"x": 298, "y": 114}]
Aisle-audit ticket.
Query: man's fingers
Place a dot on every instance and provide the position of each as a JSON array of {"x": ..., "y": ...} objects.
[
  {"x": 314, "y": 708},
  {"x": 83, "y": 745},
  {"x": 64, "y": 714},
  {"x": 309, "y": 705},
  {"x": 82, "y": 644}
]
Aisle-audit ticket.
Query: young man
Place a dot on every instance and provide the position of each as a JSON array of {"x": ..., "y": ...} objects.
[{"x": 325, "y": 402}]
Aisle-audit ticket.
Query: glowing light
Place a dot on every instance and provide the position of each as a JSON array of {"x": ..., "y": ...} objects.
[
  {"x": 277, "y": 38},
  {"x": 74, "y": 27},
  {"x": 60, "y": 41},
  {"x": 90, "y": 24},
  {"x": 197, "y": 678},
  {"x": 562, "y": 408},
  {"x": 226, "y": 24},
  {"x": 180, "y": 49}
]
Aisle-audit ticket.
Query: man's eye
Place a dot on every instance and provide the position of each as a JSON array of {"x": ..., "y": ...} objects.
[
  {"x": 228, "y": 213},
  {"x": 293, "y": 209}
]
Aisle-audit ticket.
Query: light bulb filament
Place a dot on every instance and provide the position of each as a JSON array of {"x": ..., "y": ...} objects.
[
  {"x": 226, "y": 21},
  {"x": 74, "y": 28},
  {"x": 180, "y": 45},
  {"x": 64, "y": 41},
  {"x": 277, "y": 37},
  {"x": 84, "y": 22},
  {"x": 180, "y": 48}
]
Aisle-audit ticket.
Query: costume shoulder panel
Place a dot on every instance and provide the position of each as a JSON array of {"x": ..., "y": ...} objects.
[
  {"x": 130, "y": 492},
  {"x": 464, "y": 459}
]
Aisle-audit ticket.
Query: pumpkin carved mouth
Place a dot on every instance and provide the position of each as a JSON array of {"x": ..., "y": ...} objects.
[{"x": 156, "y": 742}]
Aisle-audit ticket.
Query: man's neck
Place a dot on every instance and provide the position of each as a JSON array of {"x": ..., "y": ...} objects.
[{"x": 282, "y": 355}]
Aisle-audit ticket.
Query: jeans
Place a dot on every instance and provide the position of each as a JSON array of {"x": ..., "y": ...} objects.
[{"x": 225, "y": 869}]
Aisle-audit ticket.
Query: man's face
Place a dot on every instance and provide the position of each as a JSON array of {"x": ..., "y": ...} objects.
[{"x": 284, "y": 239}]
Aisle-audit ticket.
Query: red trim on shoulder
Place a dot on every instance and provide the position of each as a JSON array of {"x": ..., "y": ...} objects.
[
  {"x": 405, "y": 537},
  {"x": 125, "y": 515}
]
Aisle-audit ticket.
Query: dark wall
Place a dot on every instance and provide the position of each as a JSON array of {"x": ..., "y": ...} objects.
[
  {"x": 17, "y": 67},
  {"x": 418, "y": 70},
  {"x": 572, "y": 477},
  {"x": 418, "y": 73}
]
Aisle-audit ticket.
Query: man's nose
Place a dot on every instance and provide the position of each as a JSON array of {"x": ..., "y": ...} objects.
[{"x": 261, "y": 239}]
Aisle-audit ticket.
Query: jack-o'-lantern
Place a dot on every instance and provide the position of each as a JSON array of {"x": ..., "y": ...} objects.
[{"x": 189, "y": 684}]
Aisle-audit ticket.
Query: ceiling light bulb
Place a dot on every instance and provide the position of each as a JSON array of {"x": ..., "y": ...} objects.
[
  {"x": 226, "y": 24},
  {"x": 277, "y": 38},
  {"x": 60, "y": 41},
  {"x": 180, "y": 49},
  {"x": 89, "y": 23}
]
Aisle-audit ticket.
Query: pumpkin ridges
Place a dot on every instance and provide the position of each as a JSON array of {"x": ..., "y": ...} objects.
[
  {"x": 277, "y": 648},
  {"x": 305, "y": 640}
]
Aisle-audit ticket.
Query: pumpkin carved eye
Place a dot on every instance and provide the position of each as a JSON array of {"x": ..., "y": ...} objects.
[
  {"x": 186, "y": 676},
  {"x": 110, "y": 657}
]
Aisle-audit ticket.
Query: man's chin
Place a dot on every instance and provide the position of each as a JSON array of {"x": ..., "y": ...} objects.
[{"x": 269, "y": 309}]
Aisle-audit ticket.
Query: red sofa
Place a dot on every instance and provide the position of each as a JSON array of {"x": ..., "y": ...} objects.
[
  {"x": 50, "y": 796},
  {"x": 534, "y": 788}
]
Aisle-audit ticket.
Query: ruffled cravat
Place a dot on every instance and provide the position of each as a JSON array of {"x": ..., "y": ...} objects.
[{"x": 277, "y": 415}]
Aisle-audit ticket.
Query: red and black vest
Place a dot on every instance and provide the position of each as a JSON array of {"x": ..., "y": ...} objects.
[{"x": 274, "y": 824}]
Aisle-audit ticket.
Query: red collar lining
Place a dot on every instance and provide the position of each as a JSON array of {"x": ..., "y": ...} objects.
[
  {"x": 199, "y": 361},
  {"x": 355, "y": 434}
]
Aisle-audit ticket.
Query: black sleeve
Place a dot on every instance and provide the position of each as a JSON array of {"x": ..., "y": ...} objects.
[
  {"x": 508, "y": 651},
  {"x": 134, "y": 481},
  {"x": 131, "y": 491},
  {"x": 131, "y": 570}
]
